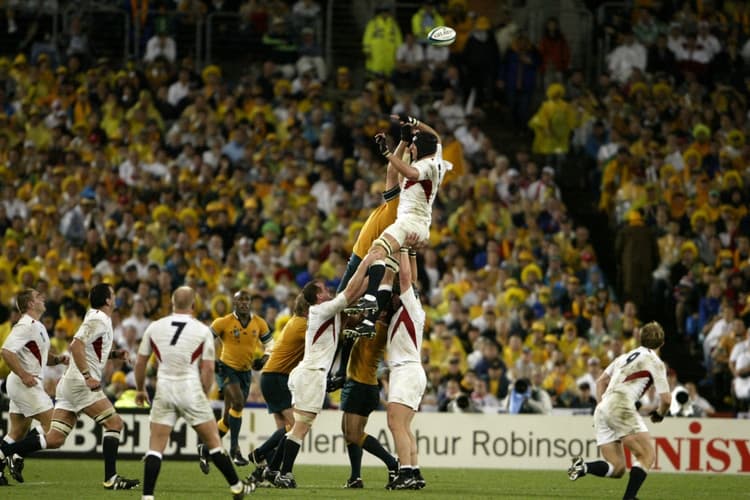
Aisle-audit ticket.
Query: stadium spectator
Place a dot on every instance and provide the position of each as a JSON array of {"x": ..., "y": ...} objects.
[{"x": 381, "y": 40}]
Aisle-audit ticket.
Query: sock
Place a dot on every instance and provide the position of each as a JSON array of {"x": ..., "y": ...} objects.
[
  {"x": 355, "y": 460},
  {"x": 278, "y": 455},
  {"x": 223, "y": 428},
  {"x": 406, "y": 471},
  {"x": 375, "y": 272},
  {"x": 222, "y": 462},
  {"x": 599, "y": 468},
  {"x": 373, "y": 446},
  {"x": 24, "y": 447},
  {"x": 151, "y": 468},
  {"x": 235, "y": 424},
  {"x": 291, "y": 448},
  {"x": 147, "y": 497},
  {"x": 637, "y": 476},
  {"x": 271, "y": 443},
  {"x": 110, "y": 443},
  {"x": 9, "y": 439},
  {"x": 417, "y": 472},
  {"x": 384, "y": 295}
]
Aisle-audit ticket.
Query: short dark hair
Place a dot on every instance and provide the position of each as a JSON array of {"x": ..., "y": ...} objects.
[
  {"x": 99, "y": 294},
  {"x": 23, "y": 299},
  {"x": 310, "y": 292},
  {"x": 426, "y": 144}
]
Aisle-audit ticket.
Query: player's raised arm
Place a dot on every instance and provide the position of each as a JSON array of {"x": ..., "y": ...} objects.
[
  {"x": 403, "y": 168},
  {"x": 418, "y": 125}
]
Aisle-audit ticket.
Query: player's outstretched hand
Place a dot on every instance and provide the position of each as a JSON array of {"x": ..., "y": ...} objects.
[
  {"x": 335, "y": 382},
  {"x": 404, "y": 118},
  {"x": 407, "y": 135},
  {"x": 656, "y": 417},
  {"x": 259, "y": 363},
  {"x": 381, "y": 143}
]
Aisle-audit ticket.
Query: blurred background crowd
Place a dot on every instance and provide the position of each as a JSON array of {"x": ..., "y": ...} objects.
[{"x": 600, "y": 177}]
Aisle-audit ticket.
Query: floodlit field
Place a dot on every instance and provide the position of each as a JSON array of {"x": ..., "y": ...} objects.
[{"x": 81, "y": 480}]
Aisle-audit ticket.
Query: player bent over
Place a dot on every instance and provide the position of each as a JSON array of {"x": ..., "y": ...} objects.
[
  {"x": 26, "y": 352},
  {"x": 307, "y": 382},
  {"x": 616, "y": 419},
  {"x": 79, "y": 390},
  {"x": 185, "y": 351}
]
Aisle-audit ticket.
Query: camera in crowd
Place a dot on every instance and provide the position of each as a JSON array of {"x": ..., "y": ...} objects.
[{"x": 462, "y": 404}]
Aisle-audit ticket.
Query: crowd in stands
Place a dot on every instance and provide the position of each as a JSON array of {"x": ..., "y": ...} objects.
[{"x": 157, "y": 174}]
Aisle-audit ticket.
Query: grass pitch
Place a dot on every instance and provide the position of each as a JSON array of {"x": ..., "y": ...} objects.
[{"x": 81, "y": 480}]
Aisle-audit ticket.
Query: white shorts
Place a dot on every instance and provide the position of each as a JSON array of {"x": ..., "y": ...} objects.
[
  {"x": 405, "y": 225},
  {"x": 615, "y": 418},
  {"x": 73, "y": 395},
  {"x": 180, "y": 399},
  {"x": 26, "y": 401},
  {"x": 406, "y": 385},
  {"x": 308, "y": 388}
]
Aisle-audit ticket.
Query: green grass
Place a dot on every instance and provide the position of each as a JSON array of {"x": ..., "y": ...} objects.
[{"x": 81, "y": 480}]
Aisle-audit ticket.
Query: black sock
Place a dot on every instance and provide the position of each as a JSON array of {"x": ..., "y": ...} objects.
[
  {"x": 278, "y": 455},
  {"x": 373, "y": 446},
  {"x": 290, "y": 455},
  {"x": 109, "y": 450},
  {"x": 222, "y": 462},
  {"x": 637, "y": 476},
  {"x": 597, "y": 468},
  {"x": 355, "y": 459},
  {"x": 151, "y": 468},
  {"x": 262, "y": 451},
  {"x": 24, "y": 447},
  {"x": 375, "y": 272},
  {"x": 235, "y": 425}
]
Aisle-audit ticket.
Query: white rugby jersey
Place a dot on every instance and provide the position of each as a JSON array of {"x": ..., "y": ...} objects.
[
  {"x": 29, "y": 341},
  {"x": 96, "y": 335},
  {"x": 418, "y": 195},
  {"x": 322, "y": 335},
  {"x": 632, "y": 374},
  {"x": 405, "y": 331},
  {"x": 179, "y": 342}
]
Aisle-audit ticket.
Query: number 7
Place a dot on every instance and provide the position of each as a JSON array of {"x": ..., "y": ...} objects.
[{"x": 180, "y": 325}]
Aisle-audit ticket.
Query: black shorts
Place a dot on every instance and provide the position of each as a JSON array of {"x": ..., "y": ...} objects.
[
  {"x": 225, "y": 375},
  {"x": 276, "y": 391},
  {"x": 358, "y": 398}
]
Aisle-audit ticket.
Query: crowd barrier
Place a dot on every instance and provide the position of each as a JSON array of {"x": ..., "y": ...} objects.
[{"x": 448, "y": 439}]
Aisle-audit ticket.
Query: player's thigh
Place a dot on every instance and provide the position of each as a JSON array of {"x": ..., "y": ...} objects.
[
  {"x": 26, "y": 401},
  {"x": 407, "y": 384},
  {"x": 75, "y": 396},
  {"x": 614, "y": 454},
  {"x": 308, "y": 388},
  {"x": 208, "y": 433},
  {"x": 640, "y": 445},
  {"x": 104, "y": 414},
  {"x": 275, "y": 390},
  {"x": 19, "y": 426},
  {"x": 159, "y": 436}
]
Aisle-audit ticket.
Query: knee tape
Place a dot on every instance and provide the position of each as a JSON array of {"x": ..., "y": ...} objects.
[
  {"x": 381, "y": 242},
  {"x": 61, "y": 427},
  {"x": 105, "y": 415},
  {"x": 305, "y": 419},
  {"x": 391, "y": 263}
]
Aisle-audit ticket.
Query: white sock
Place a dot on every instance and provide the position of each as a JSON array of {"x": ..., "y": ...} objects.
[
  {"x": 610, "y": 469},
  {"x": 147, "y": 497},
  {"x": 9, "y": 439},
  {"x": 236, "y": 488},
  {"x": 369, "y": 297}
]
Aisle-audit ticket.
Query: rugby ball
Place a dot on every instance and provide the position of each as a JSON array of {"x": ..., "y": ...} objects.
[{"x": 441, "y": 36}]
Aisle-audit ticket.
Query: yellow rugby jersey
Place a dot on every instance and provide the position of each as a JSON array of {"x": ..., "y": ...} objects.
[
  {"x": 239, "y": 343},
  {"x": 380, "y": 218},
  {"x": 365, "y": 356},
  {"x": 289, "y": 347}
]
